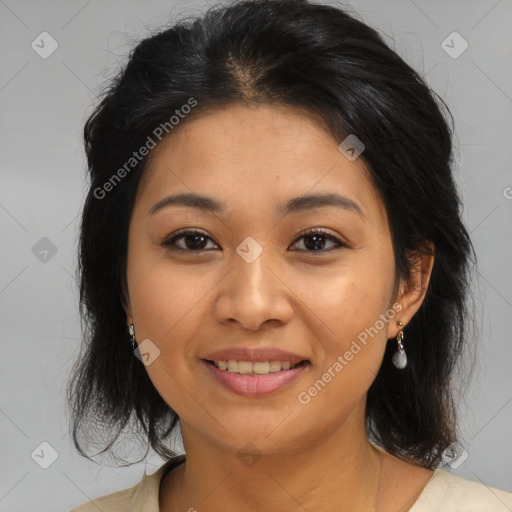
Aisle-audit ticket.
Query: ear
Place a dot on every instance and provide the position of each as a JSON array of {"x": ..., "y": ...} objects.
[
  {"x": 126, "y": 303},
  {"x": 412, "y": 293},
  {"x": 129, "y": 316}
]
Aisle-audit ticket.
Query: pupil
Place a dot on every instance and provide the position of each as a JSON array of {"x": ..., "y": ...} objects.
[
  {"x": 316, "y": 242},
  {"x": 196, "y": 240}
]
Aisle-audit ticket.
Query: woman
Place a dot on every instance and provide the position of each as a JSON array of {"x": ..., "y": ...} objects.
[{"x": 273, "y": 260}]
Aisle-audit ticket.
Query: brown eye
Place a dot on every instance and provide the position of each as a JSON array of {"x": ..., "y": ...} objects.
[
  {"x": 190, "y": 241},
  {"x": 316, "y": 239}
]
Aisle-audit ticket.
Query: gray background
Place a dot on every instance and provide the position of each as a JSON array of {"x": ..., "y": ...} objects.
[{"x": 44, "y": 103}]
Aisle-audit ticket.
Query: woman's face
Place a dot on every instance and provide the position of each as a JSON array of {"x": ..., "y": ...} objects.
[{"x": 250, "y": 279}]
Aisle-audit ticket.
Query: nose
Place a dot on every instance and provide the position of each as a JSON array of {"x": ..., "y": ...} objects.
[{"x": 253, "y": 294}]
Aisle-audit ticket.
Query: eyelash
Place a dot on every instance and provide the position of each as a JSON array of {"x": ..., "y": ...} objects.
[{"x": 310, "y": 232}]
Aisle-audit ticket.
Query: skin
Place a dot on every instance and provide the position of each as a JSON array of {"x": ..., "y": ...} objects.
[{"x": 314, "y": 456}]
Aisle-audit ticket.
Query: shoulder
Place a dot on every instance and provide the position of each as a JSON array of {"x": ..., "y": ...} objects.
[
  {"x": 445, "y": 492},
  {"x": 116, "y": 501},
  {"x": 141, "y": 497}
]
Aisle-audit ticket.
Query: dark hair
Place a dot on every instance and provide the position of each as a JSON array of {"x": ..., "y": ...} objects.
[{"x": 322, "y": 60}]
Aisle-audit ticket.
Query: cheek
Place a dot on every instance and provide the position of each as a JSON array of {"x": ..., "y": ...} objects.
[
  {"x": 347, "y": 298},
  {"x": 165, "y": 297},
  {"x": 169, "y": 307},
  {"x": 352, "y": 336},
  {"x": 348, "y": 312}
]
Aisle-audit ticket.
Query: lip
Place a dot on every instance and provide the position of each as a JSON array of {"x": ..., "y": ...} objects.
[
  {"x": 254, "y": 354},
  {"x": 256, "y": 386}
]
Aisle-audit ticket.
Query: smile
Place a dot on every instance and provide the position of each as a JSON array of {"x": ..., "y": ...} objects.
[{"x": 259, "y": 378}]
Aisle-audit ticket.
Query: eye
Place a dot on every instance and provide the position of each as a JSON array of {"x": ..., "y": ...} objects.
[
  {"x": 194, "y": 241},
  {"x": 317, "y": 239}
]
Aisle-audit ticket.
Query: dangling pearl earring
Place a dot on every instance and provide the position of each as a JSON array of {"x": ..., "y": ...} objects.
[
  {"x": 131, "y": 330},
  {"x": 399, "y": 357}
]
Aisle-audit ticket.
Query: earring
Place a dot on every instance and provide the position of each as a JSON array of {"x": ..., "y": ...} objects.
[
  {"x": 131, "y": 330},
  {"x": 399, "y": 357}
]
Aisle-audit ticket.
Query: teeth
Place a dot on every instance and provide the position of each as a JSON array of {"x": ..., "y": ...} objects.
[
  {"x": 275, "y": 366},
  {"x": 232, "y": 366},
  {"x": 254, "y": 368},
  {"x": 244, "y": 367},
  {"x": 261, "y": 368}
]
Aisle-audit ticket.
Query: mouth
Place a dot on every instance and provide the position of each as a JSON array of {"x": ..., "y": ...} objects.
[
  {"x": 255, "y": 368},
  {"x": 255, "y": 378}
]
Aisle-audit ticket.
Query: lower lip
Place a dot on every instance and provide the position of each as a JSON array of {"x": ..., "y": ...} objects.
[{"x": 262, "y": 385}]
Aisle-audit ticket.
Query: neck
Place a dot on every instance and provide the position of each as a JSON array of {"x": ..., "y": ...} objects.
[{"x": 341, "y": 468}]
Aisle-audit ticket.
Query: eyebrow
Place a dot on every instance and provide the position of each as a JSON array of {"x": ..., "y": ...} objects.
[{"x": 294, "y": 205}]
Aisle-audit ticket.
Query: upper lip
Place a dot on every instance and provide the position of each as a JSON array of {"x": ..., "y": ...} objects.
[{"x": 254, "y": 354}]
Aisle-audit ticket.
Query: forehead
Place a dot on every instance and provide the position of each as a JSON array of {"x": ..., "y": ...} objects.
[{"x": 255, "y": 157}]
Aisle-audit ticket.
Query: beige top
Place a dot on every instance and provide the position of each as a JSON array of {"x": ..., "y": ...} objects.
[{"x": 444, "y": 492}]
